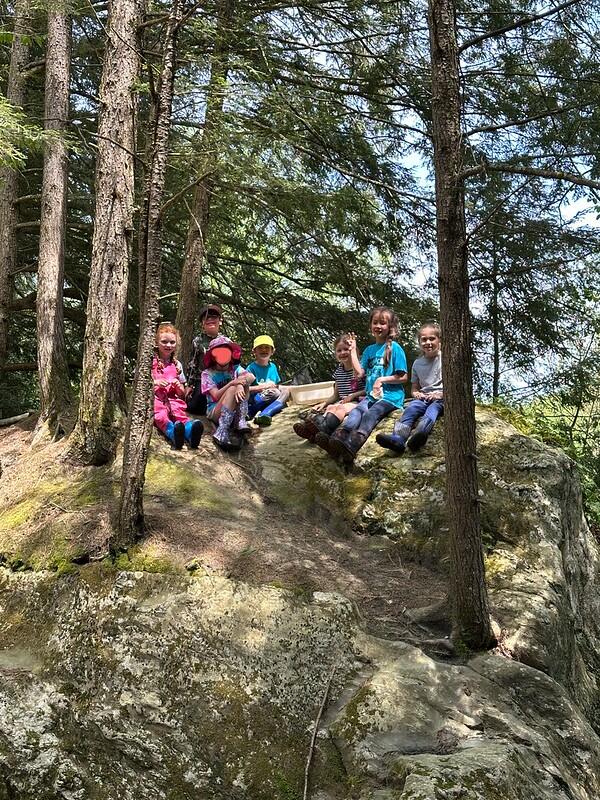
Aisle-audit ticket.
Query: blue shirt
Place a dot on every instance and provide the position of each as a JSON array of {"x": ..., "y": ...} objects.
[
  {"x": 263, "y": 374},
  {"x": 372, "y": 363}
]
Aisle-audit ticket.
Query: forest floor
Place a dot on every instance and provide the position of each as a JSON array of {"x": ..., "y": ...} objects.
[{"x": 237, "y": 532}]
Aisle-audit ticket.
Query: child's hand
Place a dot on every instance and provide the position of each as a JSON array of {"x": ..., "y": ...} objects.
[
  {"x": 352, "y": 342},
  {"x": 377, "y": 389},
  {"x": 418, "y": 396},
  {"x": 319, "y": 407},
  {"x": 162, "y": 382},
  {"x": 240, "y": 393}
]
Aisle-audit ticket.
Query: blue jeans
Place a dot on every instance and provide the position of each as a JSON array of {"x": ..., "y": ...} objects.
[
  {"x": 365, "y": 416},
  {"x": 419, "y": 408}
]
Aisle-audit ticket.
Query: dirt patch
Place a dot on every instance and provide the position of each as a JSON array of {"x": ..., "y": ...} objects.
[{"x": 226, "y": 525}]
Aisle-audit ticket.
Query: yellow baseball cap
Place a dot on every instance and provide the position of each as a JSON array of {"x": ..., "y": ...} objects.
[{"x": 263, "y": 340}]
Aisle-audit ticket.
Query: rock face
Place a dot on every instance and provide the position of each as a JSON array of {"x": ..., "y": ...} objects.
[{"x": 132, "y": 685}]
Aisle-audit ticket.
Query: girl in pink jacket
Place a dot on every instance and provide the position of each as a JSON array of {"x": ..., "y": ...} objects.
[{"x": 169, "y": 391}]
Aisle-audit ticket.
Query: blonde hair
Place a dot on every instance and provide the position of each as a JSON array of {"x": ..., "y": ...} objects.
[{"x": 393, "y": 329}]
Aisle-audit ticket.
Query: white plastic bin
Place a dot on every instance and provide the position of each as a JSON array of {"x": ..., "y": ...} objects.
[{"x": 309, "y": 394}]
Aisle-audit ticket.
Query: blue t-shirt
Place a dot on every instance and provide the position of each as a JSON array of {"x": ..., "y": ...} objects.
[
  {"x": 372, "y": 363},
  {"x": 263, "y": 374}
]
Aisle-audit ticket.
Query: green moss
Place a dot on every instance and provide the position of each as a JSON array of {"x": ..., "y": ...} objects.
[
  {"x": 353, "y": 726},
  {"x": 182, "y": 485},
  {"x": 142, "y": 559}
]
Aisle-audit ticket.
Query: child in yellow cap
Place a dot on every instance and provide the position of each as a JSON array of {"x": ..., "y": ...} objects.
[{"x": 267, "y": 397}]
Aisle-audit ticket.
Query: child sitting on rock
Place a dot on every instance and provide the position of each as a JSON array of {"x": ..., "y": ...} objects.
[
  {"x": 347, "y": 391},
  {"x": 427, "y": 396},
  {"x": 225, "y": 384},
  {"x": 169, "y": 391},
  {"x": 267, "y": 397}
]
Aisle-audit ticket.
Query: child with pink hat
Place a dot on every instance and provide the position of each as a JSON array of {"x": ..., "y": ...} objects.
[{"x": 226, "y": 386}]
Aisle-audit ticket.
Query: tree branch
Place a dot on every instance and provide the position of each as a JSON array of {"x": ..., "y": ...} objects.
[
  {"x": 514, "y": 25},
  {"x": 511, "y": 169}
]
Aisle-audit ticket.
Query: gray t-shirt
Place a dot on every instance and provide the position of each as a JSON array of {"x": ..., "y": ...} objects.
[{"x": 428, "y": 373}]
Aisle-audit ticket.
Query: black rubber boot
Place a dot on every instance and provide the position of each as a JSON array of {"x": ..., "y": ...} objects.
[
  {"x": 178, "y": 435},
  {"x": 420, "y": 436},
  {"x": 391, "y": 442}
]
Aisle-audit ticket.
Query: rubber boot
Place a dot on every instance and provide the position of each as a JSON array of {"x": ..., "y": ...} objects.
[
  {"x": 221, "y": 436},
  {"x": 175, "y": 433},
  {"x": 421, "y": 434},
  {"x": 240, "y": 419},
  {"x": 193, "y": 433},
  {"x": 345, "y": 447},
  {"x": 395, "y": 441},
  {"x": 273, "y": 408}
]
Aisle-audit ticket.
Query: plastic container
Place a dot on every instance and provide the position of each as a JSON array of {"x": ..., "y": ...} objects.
[{"x": 309, "y": 394}]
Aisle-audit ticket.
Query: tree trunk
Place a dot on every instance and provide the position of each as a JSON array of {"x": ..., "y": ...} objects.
[
  {"x": 15, "y": 93},
  {"x": 195, "y": 249},
  {"x": 471, "y": 621},
  {"x": 55, "y": 390},
  {"x": 102, "y": 391},
  {"x": 139, "y": 427}
]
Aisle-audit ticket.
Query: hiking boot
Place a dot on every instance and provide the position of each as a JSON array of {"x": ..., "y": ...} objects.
[
  {"x": 306, "y": 430},
  {"x": 178, "y": 435},
  {"x": 391, "y": 442},
  {"x": 262, "y": 421}
]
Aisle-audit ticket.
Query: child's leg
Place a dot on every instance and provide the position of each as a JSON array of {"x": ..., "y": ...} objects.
[
  {"x": 178, "y": 410},
  {"x": 263, "y": 418},
  {"x": 224, "y": 411},
  {"x": 353, "y": 419},
  {"x": 255, "y": 403},
  {"x": 374, "y": 415},
  {"x": 411, "y": 413},
  {"x": 161, "y": 415},
  {"x": 397, "y": 440},
  {"x": 241, "y": 414},
  {"x": 426, "y": 423}
]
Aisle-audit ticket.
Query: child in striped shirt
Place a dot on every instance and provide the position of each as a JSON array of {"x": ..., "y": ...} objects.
[{"x": 346, "y": 393}]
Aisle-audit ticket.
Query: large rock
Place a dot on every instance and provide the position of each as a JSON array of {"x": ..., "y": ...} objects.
[
  {"x": 542, "y": 562},
  {"x": 138, "y": 686}
]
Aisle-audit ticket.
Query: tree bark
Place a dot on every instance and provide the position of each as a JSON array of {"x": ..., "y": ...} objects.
[
  {"x": 470, "y": 611},
  {"x": 15, "y": 93},
  {"x": 195, "y": 250},
  {"x": 139, "y": 425},
  {"x": 55, "y": 389},
  {"x": 102, "y": 390}
]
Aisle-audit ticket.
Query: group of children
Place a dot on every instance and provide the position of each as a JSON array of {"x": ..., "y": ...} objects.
[{"x": 367, "y": 388}]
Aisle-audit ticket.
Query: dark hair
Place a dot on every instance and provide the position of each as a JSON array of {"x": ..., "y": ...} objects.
[{"x": 392, "y": 325}]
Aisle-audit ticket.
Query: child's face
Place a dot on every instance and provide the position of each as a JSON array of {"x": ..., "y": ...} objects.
[
  {"x": 429, "y": 342},
  {"x": 211, "y": 324},
  {"x": 380, "y": 326},
  {"x": 263, "y": 353},
  {"x": 342, "y": 351},
  {"x": 167, "y": 343},
  {"x": 221, "y": 357}
]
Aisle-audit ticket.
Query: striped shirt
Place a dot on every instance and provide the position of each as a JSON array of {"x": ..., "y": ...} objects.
[{"x": 345, "y": 381}]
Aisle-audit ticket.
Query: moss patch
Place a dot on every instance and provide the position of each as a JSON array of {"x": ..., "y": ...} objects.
[{"x": 176, "y": 484}]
